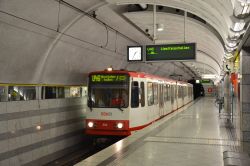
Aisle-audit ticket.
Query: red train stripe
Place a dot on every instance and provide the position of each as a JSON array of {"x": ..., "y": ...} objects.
[
  {"x": 107, "y": 132},
  {"x": 111, "y": 130}
]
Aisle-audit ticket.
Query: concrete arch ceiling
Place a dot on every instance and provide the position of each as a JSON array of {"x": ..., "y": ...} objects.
[
  {"x": 31, "y": 43},
  {"x": 215, "y": 12},
  {"x": 209, "y": 49}
]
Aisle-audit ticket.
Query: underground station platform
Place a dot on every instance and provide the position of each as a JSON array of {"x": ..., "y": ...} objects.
[{"x": 194, "y": 135}]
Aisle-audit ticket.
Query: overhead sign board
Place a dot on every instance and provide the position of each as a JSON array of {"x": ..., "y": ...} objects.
[
  {"x": 206, "y": 81},
  {"x": 177, "y": 52}
]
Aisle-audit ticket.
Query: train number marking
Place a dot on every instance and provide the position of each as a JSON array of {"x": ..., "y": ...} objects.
[
  {"x": 105, "y": 124},
  {"x": 106, "y": 114}
]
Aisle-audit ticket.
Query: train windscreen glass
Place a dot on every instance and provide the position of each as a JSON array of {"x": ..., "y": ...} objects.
[{"x": 109, "y": 90}]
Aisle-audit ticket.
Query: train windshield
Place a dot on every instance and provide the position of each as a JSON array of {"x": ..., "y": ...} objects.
[{"x": 109, "y": 91}]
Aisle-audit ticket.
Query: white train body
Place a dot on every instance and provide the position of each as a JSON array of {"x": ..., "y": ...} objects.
[{"x": 122, "y": 101}]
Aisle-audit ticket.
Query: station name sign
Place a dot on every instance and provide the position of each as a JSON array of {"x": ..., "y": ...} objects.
[
  {"x": 97, "y": 78},
  {"x": 179, "y": 52}
]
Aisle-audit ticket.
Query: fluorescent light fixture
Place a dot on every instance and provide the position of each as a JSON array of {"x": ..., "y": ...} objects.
[
  {"x": 230, "y": 49},
  {"x": 245, "y": 6},
  {"x": 238, "y": 26},
  {"x": 235, "y": 35},
  {"x": 160, "y": 27},
  {"x": 228, "y": 55},
  {"x": 241, "y": 8},
  {"x": 232, "y": 44},
  {"x": 246, "y": 9},
  {"x": 143, "y": 6},
  {"x": 209, "y": 76}
]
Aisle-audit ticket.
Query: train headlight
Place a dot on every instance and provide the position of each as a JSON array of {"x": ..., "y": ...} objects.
[
  {"x": 90, "y": 124},
  {"x": 119, "y": 125}
]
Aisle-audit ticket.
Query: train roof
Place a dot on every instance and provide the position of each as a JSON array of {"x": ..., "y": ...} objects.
[{"x": 138, "y": 75}]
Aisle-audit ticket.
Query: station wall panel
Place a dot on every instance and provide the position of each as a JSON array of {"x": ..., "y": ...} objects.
[{"x": 32, "y": 131}]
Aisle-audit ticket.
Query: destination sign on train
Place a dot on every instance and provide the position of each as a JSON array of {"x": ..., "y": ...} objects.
[
  {"x": 108, "y": 78},
  {"x": 180, "y": 52}
]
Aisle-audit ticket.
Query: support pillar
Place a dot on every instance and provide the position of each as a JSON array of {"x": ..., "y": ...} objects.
[
  {"x": 227, "y": 95},
  {"x": 245, "y": 99}
]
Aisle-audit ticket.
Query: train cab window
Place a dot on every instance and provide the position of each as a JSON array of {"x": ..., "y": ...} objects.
[
  {"x": 150, "y": 93},
  {"x": 155, "y": 92},
  {"x": 135, "y": 94},
  {"x": 142, "y": 94}
]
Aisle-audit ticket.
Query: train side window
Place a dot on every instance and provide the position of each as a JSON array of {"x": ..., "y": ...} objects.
[
  {"x": 135, "y": 94},
  {"x": 150, "y": 93},
  {"x": 172, "y": 93},
  {"x": 155, "y": 91},
  {"x": 61, "y": 93},
  {"x": 142, "y": 94},
  {"x": 165, "y": 93},
  {"x": 3, "y": 93},
  {"x": 49, "y": 92},
  {"x": 73, "y": 92},
  {"x": 84, "y": 91},
  {"x": 186, "y": 91},
  {"x": 168, "y": 86},
  {"x": 179, "y": 91},
  {"x": 16, "y": 93}
]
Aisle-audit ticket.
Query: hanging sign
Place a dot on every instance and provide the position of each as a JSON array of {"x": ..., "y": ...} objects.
[{"x": 176, "y": 52}]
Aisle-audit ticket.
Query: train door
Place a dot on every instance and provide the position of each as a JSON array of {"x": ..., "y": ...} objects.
[
  {"x": 177, "y": 92},
  {"x": 138, "y": 112},
  {"x": 161, "y": 102},
  {"x": 165, "y": 98},
  {"x": 142, "y": 94},
  {"x": 173, "y": 98}
]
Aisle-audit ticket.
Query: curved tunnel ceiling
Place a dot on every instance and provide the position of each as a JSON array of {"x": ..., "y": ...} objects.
[
  {"x": 207, "y": 43},
  {"x": 62, "y": 44},
  {"x": 216, "y": 12}
]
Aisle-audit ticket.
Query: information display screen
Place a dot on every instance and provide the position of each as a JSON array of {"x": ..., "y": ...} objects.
[
  {"x": 105, "y": 78},
  {"x": 186, "y": 51},
  {"x": 134, "y": 53},
  {"x": 205, "y": 81}
]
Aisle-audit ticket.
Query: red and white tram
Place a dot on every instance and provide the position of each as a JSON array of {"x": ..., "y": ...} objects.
[{"x": 124, "y": 101}]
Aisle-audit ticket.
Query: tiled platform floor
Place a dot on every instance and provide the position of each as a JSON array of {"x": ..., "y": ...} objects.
[{"x": 193, "y": 136}]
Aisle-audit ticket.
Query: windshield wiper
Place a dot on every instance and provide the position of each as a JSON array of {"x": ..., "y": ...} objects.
[
  {"x": 90, "y": 104},
  {"x": 120, "y": 108}
]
